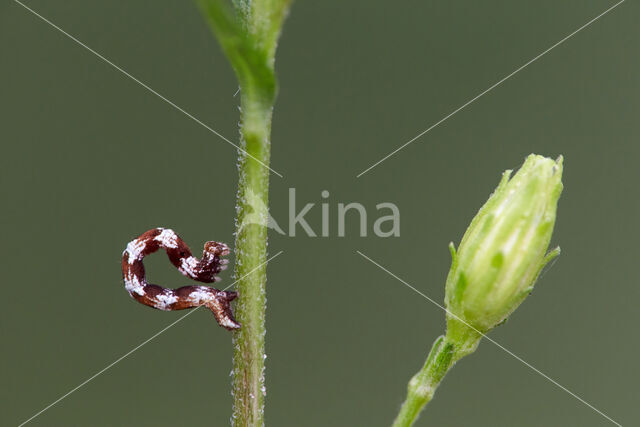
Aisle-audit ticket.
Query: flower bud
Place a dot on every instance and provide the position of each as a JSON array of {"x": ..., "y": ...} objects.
[{"x": 504, "y": 249}]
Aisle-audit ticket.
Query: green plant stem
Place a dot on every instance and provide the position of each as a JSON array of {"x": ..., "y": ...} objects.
[
  {"x": 459, "y": 341},
  {"x": 248, "y": 35},
  {"x": 423, "y": 384},
  {"x": 250, "y": 270}
]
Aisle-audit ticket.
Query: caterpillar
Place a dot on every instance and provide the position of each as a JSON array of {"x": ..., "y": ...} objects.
[{"x": 202, "y": 270}]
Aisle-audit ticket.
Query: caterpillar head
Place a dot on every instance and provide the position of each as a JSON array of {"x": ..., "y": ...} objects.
[{"x": 216, "y": 248}]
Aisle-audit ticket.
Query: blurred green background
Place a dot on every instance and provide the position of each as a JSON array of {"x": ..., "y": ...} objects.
[{"x": 90, "y": 160}]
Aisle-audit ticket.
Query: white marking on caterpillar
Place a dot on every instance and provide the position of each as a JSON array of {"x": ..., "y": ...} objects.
[
  {"x": 188, "y": 265},
  {"x": 134, "y": 250},
  {"x": 167, "y": 238},
  {"x": 165, "y": 301},
  {"x": 133, "y": 285}
]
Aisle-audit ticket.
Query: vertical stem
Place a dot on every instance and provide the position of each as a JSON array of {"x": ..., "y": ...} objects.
[
  {"x": 250, "y": 271},
  {"x": 248, "y": 35}
]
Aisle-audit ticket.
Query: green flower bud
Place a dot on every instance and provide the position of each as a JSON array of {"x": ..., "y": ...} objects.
[{"x": 503, "y": 250}]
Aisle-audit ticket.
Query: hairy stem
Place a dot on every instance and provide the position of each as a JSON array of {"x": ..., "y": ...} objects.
[
  {"x": 248, "y": 35},
  {"x": 423, "y": 384},
  {"x": 459, "y": 341},
  {"x": 251, "y": 252}
]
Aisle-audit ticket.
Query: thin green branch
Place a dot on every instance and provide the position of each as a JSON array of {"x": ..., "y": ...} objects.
[
  {"x": 459, "y": 341},
  {"x": 423, "y": 384}
]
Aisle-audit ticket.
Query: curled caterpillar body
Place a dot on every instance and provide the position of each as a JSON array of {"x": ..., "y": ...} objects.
[{"x": 203, "y": 270}]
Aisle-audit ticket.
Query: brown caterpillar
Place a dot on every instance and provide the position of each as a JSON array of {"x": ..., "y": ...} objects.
[{"x": 203, "y": 270}]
